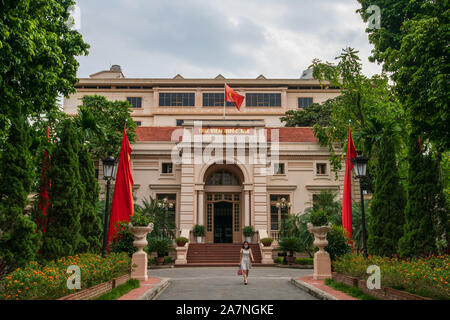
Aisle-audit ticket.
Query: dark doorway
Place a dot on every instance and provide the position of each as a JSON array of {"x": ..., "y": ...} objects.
[{"x": 223, "y": 222}]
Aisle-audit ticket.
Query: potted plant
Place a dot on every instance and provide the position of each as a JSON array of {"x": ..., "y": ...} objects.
[
  {"x": 181, "y": 241},
  {"x": 267, "y": 242},
  {"x": 140, "y": 226},
  {"x": 199, "y": 232},
  {"x": 319, "y": 218},
  {"x": 161, "y": 246},
  {"x": 319, "y": 225},
  {"x": 248, "y": 233},
  {"x": 290, "y": 245}
]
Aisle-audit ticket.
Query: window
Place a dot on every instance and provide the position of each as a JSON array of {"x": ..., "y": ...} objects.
[
  {"x": 176, "y": 99},
  {"x": 222, "y": 178},
  {"x": 170, "y": 201},
  {"x": 321, "y": 168},
  {"x": 305, "y": 102},
  {"x": 136, "y": 102},
  {"x": 167, "y": 168},
  {"x": 138, "y": 123},
  {"x": 263, "y": 99},
  {"x": 180, "y": 123},
  {"x": 278, "y": 168},
  {"x": 279, "y": 209},
  {"x": 215, "y": 100}
]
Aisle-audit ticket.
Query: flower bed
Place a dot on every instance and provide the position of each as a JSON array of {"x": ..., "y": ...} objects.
[
  {"x": 428, "y": 277},
  {"x": 48, "y": 282}
]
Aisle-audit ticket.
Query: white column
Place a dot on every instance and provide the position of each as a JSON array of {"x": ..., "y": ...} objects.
[
  {"x": 200, "y": 207},
  {"x": 246, "y": 208}
]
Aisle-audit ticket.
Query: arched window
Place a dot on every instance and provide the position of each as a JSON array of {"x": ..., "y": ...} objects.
[{"x": 222, "y": 178}]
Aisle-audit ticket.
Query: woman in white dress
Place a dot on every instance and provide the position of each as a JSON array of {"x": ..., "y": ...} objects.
[{"x": 246, "y": 259}]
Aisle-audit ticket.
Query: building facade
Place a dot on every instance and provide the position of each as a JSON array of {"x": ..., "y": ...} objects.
[{"x": 224, "y": 173}]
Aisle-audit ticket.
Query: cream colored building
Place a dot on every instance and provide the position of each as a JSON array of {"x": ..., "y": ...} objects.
[{"x": 224, "y": 191}]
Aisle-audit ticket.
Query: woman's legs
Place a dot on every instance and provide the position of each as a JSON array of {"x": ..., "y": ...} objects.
[{"x": 245, "y": 272}]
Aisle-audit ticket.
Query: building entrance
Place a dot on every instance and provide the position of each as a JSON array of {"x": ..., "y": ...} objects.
[
  {"x": 223, "y": 222},
  {"x": 223, "y": 218}
]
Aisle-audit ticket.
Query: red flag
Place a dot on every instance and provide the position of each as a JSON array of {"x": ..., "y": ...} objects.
[
  {"x": 122, "y": 205},
  {"x": 347, "y": 197},
  {"x": 44, "y": 199},
  {"x": 233, "y": 96}
]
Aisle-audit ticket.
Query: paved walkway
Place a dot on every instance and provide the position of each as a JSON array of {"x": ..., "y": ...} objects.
[
  {"x": 322, "y": 287},
  {"x": 223, "y": 283},
  {"x": 144, "y": 286}
]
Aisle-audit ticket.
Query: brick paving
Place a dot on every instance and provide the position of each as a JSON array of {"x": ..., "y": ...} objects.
[
  {"x": 144, "y": 286},
  {"x": 320, "y": 284}
]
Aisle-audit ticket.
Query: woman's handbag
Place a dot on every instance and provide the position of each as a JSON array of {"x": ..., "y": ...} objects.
[{"x": 240, "y": 272}]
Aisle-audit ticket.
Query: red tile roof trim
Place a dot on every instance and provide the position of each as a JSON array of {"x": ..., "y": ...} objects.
[{"x": 169, "y": 134}]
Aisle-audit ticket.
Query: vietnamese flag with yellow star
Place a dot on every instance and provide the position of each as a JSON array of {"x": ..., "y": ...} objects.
[{"x": 233, "y": 96}]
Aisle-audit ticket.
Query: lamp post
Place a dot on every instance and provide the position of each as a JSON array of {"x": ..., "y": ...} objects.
[
  {"x": 165, "y": 205},
  {"x": 360, "y": 167},
  {"x": 109, "y": 168},
  {"x": 283, "y": 204}
]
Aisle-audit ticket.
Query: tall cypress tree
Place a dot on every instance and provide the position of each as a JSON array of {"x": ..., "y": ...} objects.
[
  {"x": 66, "y": 196},
  {"x": 388, "y": 203},
  {"x": 18, "y": 240},
  {"x": 419, "y": 238},
  {"x": 91, "y": 224}
]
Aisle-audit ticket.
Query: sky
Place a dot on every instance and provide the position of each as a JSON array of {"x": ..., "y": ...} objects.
[{"x": 204, "y": 38}]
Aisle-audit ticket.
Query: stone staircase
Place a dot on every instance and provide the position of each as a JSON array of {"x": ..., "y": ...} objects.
[{"x": 219, "y": 254}]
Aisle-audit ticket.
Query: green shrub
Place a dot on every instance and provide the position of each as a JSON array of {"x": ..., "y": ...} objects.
[
  {"x": 291, "y": 245},
  {"x": 337, "y": 243},
  {"x": 279, "y": 260},
  {"x": 198, "y": 231},
  {"x": 181, "y": 240},
  {"x": 168, "y": 260},
  {"x": 267, "y": 241},
  {"x": 140, "y": 220},
  {"x": 151, "y": 261},
  {"x": 428, "y": 277},
  {"x": 49, "y": 282},
  {"x": 122, "y": 240},
  {"x": 319, "y": 218},
  {"x": 248, "y": 231},
  {"x": 159, "y": 245},
  {"x": 304, "y": 261}
]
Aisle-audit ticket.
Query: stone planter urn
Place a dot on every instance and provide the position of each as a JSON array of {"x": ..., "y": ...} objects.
[
  {"x": 139, "y": 258},
  {"x": 199, "y": 239},
  {"x": 322, "y": 262},
  {"x": 248, "y": 239}
]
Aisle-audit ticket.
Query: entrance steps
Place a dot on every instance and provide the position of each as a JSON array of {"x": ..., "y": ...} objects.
[{"x": 219, "y": 254}]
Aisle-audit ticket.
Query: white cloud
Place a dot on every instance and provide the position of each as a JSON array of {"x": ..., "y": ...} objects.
[{"x": 202, "y": 38}]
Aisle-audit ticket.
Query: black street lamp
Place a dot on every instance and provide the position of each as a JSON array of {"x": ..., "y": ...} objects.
[
  {"x": 360, "y": 167},
  {"x": 109, "y": 168}
]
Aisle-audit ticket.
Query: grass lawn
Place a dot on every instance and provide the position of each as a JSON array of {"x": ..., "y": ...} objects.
[
  {"x": 119, "y": 291},
  {"x": 351, "y": 291}
]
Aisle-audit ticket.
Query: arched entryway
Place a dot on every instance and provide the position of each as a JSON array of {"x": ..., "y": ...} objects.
[{"x": 223, "y": 204}]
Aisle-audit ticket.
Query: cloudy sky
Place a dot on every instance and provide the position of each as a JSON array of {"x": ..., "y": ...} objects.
[{"x": 202, "y": 38}]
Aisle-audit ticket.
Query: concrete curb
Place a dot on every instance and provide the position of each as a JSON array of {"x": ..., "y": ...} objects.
[
  {"x": 300, "y": 266},
  {"x": 155, "y": 290},
  {"x": 317, "y": 293}
]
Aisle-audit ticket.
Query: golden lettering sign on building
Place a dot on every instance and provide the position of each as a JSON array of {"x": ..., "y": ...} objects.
[{"x": 224, "y": 131}]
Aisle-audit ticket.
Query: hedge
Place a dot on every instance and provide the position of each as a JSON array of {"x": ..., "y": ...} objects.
[
  {"x": 49, "y": 282},
  {"x": 427, "y": 277}
]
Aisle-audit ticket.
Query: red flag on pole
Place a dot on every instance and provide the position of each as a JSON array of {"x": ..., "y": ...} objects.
[
  {"x": 122, "y": 204},
  {"x": 347, "y": 197},
  {"x": 44, "y": 199},
  {"x": 233, "y": 96}
]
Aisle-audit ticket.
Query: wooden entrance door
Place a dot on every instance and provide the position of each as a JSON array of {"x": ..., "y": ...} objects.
[{"x": 223, "y": 218}]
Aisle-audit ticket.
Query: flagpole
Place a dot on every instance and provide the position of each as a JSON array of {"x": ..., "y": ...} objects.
[{"x": 224, "y": 99}]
